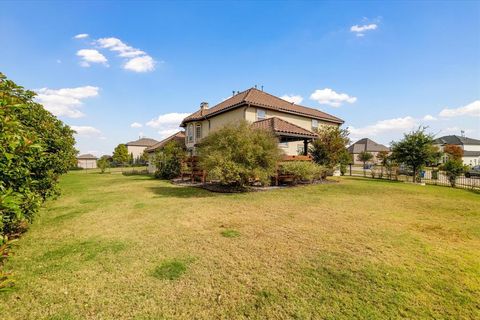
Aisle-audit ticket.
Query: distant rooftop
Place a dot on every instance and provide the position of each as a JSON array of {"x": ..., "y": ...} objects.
[
  {"x": 142, "y": 142},
  {"x": 457, "y": 140},
  {"x": 179, "y": 137},
  {"x": 87, "y": 156},
  {"x": 367, "y": 145}
]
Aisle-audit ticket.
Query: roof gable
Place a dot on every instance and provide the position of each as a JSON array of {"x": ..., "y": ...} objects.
[
  {"x": 368, "y": 145},
  {"x": 262, "y": 99},
  {"x": 87, "y": 156},
  {"x": 179, "y": 137},
  {"x": 142, "y": 142}
]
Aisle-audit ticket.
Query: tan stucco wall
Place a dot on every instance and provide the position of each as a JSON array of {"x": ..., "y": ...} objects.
[
  {"x": 87, "y": 163},
  {"x": 137, "y": 151},
  {"x": 250, "y": 114},
  {"x": 217, "y": 122}
]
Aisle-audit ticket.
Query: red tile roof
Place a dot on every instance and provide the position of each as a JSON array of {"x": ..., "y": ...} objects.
[
  {"x": 262, "y": 99},
  {"x": 179, "y": 137},
  {"x": 282, "y": 127}
]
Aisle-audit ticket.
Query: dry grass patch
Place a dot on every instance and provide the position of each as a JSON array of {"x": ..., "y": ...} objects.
[{"x": 358, "y": 248}]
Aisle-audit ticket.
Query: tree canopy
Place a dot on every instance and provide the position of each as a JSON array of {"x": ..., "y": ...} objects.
[
  {"x": 35, "y": 148},
  {"x": 329, "y": 149},
  {"x": 120, "y": 154}
]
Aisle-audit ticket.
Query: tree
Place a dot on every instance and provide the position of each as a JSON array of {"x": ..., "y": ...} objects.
[
  {"x": 120, "y": 154},
  {"x": 239, "y": 154},
  {"x": 330, "y": 146},
  {"x": 103, "y": 163},
  {"x": 453, "y": 168},
  {"x": 383, "y": 158},
  {"x": 36, "y": 149},
  {"x": 130, "y": 159},
  {"x": 415, "y": 150},
  {"x": 454, "y": 152},
  {"x": 364, "y": 157},
  {"x": 168, "y": 160}
]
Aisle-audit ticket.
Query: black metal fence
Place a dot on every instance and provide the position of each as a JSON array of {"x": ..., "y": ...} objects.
[{"x": 428, "y": 176}]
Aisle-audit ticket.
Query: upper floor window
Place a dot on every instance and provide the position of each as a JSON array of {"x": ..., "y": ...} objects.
[
  {"x": 261, "y": 114},
  {"x": 314, "y": 124},
  {"x": 198, "y": 132},
  {"x": 190, "y": 133}
]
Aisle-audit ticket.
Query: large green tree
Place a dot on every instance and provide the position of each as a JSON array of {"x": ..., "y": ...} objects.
[
  {"x": 239, "y": 154},
  {"x": 329, "y": 148},
  {"x": 120, "y": 154},
  {"x": 35, "y": 149},
  {"x": 415, "y": 150}
]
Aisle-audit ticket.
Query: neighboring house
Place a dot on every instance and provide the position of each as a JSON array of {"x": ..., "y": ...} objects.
[
  {"x": 87, "y": 161},
  {"x": 294, "y": 125},
  {"x": 367, "y": 145},
  {"x": 137, "y": 147},
  {"x": 471, "y": 148},
  {"x": 150, "y": 151}
]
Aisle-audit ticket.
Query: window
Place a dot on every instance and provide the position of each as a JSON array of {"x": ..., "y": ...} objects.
[
  {"x": 314, "y": 124},
  {"x": 261, "y": 114},
  {"x": 198, "y": 132},
  {"x": 283, "y": 144},
  {"x": 190, "y": 133}
]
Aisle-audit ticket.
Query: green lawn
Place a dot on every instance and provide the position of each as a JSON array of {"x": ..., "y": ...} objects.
[{"x": 117, "y": 247}]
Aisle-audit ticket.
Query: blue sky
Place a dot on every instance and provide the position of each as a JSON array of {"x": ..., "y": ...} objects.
[{"x": 383, "y": 67}]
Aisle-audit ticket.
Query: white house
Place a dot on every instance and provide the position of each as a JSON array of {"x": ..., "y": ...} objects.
[
  {"x": 87, "y": 161},
  {"x": 471, "y": 148}
]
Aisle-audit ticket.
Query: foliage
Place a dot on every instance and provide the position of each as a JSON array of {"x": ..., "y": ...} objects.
[
  {"x": 239, "y": 154},
  {"x": 415, "y": 150},
  {"x": 302, "y": 170},
  {"x": 168, "y": 160},
  {"x": 364, "y": 157},
  {"x": 453, "y": 169},
  {"x": 454, "y": 152},
  {"x": 36, "y": 149},
  {"x": 120, "y": 154},
  {"x": 329, "y": 149},
  {"x": 345, "y": 159},
  {"x": 103, "y": 163}
]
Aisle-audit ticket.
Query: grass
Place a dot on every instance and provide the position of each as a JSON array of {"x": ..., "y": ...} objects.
[{"x": 131, "y": 247}]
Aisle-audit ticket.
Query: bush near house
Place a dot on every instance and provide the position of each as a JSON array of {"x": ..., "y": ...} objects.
[
  {"x": 329, "y": 149},
  {"x": 36, "y": 148},
  {"x": 168, "y": 160},
  {"x": 453, "y": 169},
  {"x": 302, "y": 170},
  {"x": 238, "y": 155}
]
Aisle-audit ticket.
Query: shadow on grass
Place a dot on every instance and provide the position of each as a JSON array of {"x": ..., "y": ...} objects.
[{"x": 183, "y": 192}]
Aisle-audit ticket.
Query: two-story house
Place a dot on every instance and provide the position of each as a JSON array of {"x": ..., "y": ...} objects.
[
  {"x": 294, "y": 125},
  {"x": 471, "y": 148}
]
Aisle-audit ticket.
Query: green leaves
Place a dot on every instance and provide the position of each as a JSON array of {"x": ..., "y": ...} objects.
[{"x": 35, "y": 149}]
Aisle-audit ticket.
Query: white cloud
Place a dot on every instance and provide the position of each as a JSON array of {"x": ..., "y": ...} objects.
[
  {"x": 91, "y": 56},
  {"x": 81, "y": 36},
  {"x": 396, "y": 124},
  {"x": 167, "y": 133},
  {"x": 167, "y": 123},
  {"x": 138, "y": 60},
  {"x": 360, "y": 30},
  {"x": 297, "y": 99},
  {"x": 330, "y": 97},
  {"x": 66, "y": 101},
  {"x": 167, "y": 119},
  {"x": 429, "y": 117},
  {"x": 140, "y": 64},
  {"x": 472, "y": 109},
  {"x": 86, "y": 131},
  {"x": 136, "y": 125}
]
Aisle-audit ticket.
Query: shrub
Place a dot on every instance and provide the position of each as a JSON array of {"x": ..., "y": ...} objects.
[
  {"x": 329, "y": 149},
  {"x": 237, "y": 155},
  {"x": 302, "y": 170},
  {"x": 103, "y": 163},
  {"x": 168, "y": 160},
  {"x": 453, "y": 169},
  {"x": 36, "y": 149}
]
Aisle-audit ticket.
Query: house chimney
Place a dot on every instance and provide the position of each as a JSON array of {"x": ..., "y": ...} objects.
[{"x": 203, "y": 107}]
